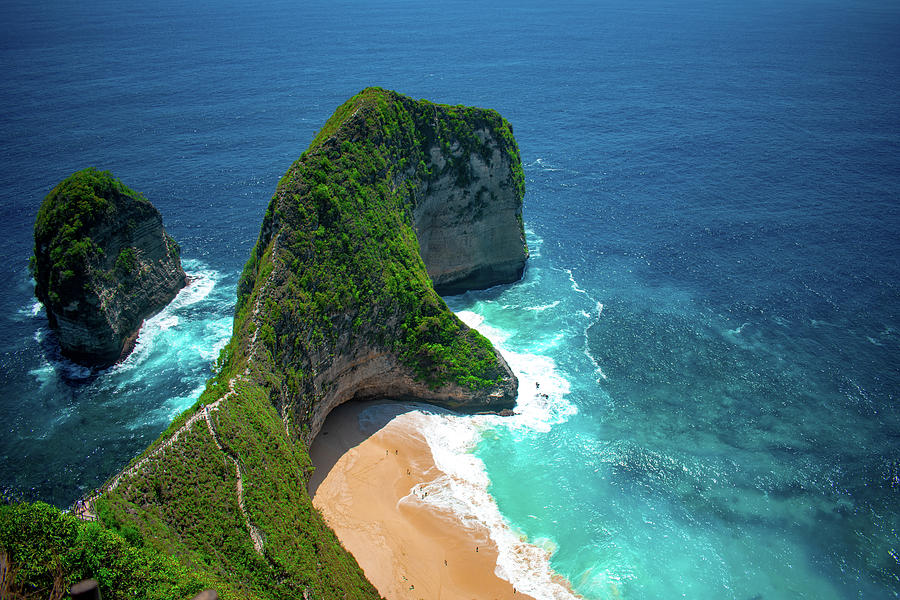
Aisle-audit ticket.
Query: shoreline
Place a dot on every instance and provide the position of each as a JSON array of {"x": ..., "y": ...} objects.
[{"x": 371, "y": 487}]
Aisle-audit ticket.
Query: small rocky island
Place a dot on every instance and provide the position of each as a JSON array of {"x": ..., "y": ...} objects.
[{"x": 102, "y": 264}]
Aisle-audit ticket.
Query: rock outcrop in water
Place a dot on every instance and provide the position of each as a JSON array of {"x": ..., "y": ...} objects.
[
  {"x": 336, "y": 303},
  {"x": 102, "y": 264},
  {"x": 394, "y": 198}
]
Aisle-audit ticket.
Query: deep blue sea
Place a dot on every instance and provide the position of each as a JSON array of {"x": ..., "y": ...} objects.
[{"x": 712, "y": 303}]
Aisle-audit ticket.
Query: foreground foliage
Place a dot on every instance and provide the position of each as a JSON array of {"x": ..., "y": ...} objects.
[{"x": 47, "y": 551}]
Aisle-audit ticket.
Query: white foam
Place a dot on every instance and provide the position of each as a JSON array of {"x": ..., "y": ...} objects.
[
  {"x": 34, "y": 309},
  {"x": 598, "y": 307},
  {"x": 535, "y": 243},
  {"x": 463, "y": 487},
  {"x": 542, "y": 390},
  {"x": 543, "y": 307},
  {"x": 219, "y": 330},
  {"x": 166, "y": 322},
  {"x": 48, "y": 371},
  {"x": 575, "y": 286},
  {"x": 476, "y": 321},
  {"x": 470, "y": 318},
  {"x": 737, "y": 330},
  {"x": 43, "y": 374},
  {"x": 550, "y": 343},
  {"x": 202, "y": 283},
  {"x": 539, "y": 162}
]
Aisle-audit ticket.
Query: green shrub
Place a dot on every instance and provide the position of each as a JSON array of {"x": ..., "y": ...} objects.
[
  {"x": 48, "y": 550},
  {"x": 126, "y": 261}
]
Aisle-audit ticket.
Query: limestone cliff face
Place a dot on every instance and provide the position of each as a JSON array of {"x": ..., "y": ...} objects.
[
  {"x": 394, "y": 198},
  {"x": 368, "y": 372},
  {"x": 470, "y": 228},
  {"x": 103, "y": 263}
]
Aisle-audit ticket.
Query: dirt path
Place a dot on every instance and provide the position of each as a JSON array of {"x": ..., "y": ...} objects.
[{"x": 256, "y": 536}]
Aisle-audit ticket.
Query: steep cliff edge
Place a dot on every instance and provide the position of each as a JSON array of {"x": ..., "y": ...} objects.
[
  {"x": 335, "y": 303},
  {"x": 468, "y": 213},
  {"x": 392, "y": 194},
  {"x": 102, "y": 264}
]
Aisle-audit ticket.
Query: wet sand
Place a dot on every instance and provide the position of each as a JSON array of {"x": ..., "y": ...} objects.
[{"x": 364, "y": 486}]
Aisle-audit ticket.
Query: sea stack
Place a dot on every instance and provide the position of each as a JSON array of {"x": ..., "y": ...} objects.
[
  {"x": 102, "y": 264},
  {"x": 394, "y": 201}
]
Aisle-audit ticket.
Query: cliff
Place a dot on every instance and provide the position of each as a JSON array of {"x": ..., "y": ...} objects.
[
  {"x": 468, "y": 208},
  {"x": 102, "y": 264},
  {"x": 335, "y": 303},
  {"x": 391, "y": 195}
]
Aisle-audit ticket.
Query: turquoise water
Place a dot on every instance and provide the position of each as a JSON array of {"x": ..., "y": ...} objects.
[
  {"x": 678, "y": 475},
  {"x": 711, "y": 306}
]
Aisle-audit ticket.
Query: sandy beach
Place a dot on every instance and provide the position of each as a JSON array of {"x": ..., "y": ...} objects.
[{"x": 368, "y": 487}]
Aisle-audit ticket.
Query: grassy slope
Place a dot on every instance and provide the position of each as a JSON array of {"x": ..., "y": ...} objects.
[{"x": 184, "y": 504}]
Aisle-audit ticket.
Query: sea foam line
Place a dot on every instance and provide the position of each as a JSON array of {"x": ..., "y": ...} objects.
[
  {"x": 543, "y": 307},
  {"x": 202, "y": 283},
  {"x": 598, "y": 307},
  {"x": 462, "y": 490}
]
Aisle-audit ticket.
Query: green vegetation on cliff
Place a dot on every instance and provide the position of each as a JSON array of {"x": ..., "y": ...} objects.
[
  {"x": 343, "y": 216},
  {"x": 63, "y": 224},
  {"x": 102, "y": 264},
  {"x": 184, "y": 505}
]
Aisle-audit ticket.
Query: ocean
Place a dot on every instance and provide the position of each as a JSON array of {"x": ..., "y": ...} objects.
[{"x": 707, "y": 334}]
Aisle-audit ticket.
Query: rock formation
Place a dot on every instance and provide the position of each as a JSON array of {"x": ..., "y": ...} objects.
[
  {"x": 102, "y": 263},
  {"x": 335, "y": 303},
  {"x": 394, "y": 198},
  {"x": 468, "y": 217}
]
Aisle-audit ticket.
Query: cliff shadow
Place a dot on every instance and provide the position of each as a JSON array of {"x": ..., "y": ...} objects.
[
  {"x": 349, "y": 425},
  {"x": 70, "y": 373}
]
